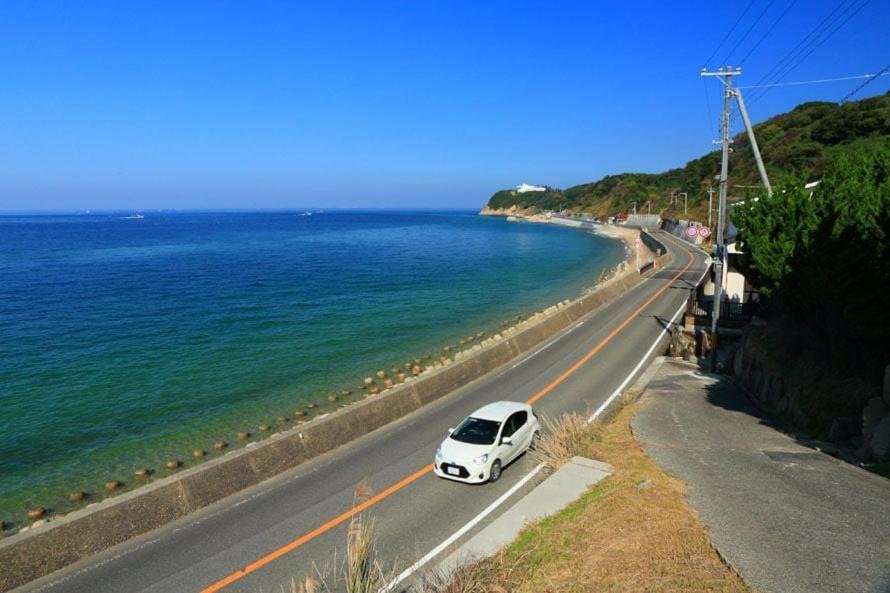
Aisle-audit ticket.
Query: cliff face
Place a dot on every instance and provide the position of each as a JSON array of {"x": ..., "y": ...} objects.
[{"x": 509, "y": 211}]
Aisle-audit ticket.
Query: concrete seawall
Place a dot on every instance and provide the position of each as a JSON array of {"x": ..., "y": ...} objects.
[{"x": 51, "y": 546}]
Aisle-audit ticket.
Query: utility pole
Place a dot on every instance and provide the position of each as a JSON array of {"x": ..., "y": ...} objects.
[
  {"x": 685, "y": 203},
  {"x": 725, "y": 76},
  {"x": 649, "y": 207},
  {"x": 710, "y": 203},
  {"x": 635, "y": 208}
]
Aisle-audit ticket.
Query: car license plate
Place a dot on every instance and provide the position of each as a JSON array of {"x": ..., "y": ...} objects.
[{"x": 453, "y": 471}]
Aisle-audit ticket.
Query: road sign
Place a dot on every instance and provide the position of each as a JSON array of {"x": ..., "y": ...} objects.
[
  {"x": 691, "y": 231},
  {"x": 704, "y": 232}
]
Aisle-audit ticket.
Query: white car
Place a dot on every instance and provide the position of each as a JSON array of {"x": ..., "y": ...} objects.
[{"x": 486, "y": 442}]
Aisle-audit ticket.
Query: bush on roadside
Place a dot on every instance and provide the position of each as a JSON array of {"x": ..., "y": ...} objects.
[
  {"x": 361, "y": 571},
  {"x": 563, "y": 438}
]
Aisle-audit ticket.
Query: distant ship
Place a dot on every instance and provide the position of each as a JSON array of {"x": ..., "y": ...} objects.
[{"x": 135, "y": 216}]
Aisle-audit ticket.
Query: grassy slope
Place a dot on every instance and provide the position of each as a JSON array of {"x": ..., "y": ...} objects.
[
  {"x": 619, "y": 537},
  {"x": 801, "y": 142}
]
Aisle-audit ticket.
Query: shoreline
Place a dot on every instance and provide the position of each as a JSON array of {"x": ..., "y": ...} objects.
[
  {"x": 184, "y": 445},
  {"x": 53, "y": 544}
]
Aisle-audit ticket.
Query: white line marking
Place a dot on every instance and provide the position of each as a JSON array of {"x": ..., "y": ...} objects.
[
  {"x": 643, "y": 360},
  {"x": 541, "y": 349},
  {"x": 457, "y": 534}
]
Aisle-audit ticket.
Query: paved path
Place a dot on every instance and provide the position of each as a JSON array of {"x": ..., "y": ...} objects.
[
  {"x": 787, "y": 518},
  {"x": 200, "y": 552}
]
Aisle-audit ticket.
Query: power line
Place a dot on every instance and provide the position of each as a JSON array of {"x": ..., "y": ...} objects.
[
  {"x": 707, "y": 104},
  {"x": 728, "y": 33},
  {"x": 748, "y": 32},
  {"x": 790, "y": 68},
  {"x": 768, "y": 31},
  {"x": 859, "y": 88},
  {"x": 800, "y": 82},
  {"x": 788, "y": 57}
]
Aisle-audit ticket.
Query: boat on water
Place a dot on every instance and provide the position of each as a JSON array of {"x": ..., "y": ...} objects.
[{"x": 136, "y": 216}]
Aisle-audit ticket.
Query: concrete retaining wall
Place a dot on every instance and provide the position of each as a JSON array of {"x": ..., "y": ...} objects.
[
  {"x": 49, "y": 547},
  {"x": 652, "y": 243}
]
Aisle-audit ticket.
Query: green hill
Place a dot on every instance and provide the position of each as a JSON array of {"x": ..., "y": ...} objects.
[{"x": 801, "y": 142}]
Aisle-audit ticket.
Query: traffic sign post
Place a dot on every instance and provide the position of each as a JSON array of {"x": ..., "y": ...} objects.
[
  {"x": 692, "y": 232},
  {"x": 704, "y": 232}
]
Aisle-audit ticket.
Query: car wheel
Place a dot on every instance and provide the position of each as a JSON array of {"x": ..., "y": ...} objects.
[
  {"x": 536, "y": 439},
  {"x": 495, "y": 472}
]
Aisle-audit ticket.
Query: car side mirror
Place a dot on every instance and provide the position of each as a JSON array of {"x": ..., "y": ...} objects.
[
  {"x": 450, "y": 430},
  {"x": 507, "y": 441}
]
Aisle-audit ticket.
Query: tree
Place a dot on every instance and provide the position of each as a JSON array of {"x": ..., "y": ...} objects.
[{"x": 824, "y": 254}]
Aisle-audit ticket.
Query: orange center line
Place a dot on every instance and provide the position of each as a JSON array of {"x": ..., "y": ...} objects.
[{"x": 263, "y": 561}]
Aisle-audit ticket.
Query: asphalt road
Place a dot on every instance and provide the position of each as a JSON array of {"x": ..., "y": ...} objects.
[{"x": 197, "y": 553}]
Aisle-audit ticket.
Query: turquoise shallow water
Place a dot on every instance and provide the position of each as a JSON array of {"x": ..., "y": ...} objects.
[{"x": 127, "y": 342}]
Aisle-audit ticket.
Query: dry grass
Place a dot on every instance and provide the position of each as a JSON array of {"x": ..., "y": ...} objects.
[
  {"x": 632, "y": 532},
  {"x": 361, "y": 571},
  {"x": 562, "y": 439}
]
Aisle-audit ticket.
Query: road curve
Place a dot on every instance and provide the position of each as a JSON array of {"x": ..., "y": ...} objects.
[{"x": 257, "y": 540}]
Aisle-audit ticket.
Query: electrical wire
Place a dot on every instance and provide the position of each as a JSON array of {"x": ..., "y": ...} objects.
[
  {"x": 748, "y": 32},
  {"x": 822, "y": 80},
  {"x": 707, "y": 103},
  {"x": 728, "y": 33},
  {"x": 768, "y": 31},
  {"x": 815, "y": 31},
  {"x": 859, "y": 88},
  {"x": 790, "y": 68}
]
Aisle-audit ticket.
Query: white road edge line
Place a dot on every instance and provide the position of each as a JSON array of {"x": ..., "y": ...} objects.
[
  {"x": 643, "y": 360},
  {"x": 457, "y": 534},
  {"x": 550, "y": 343},
  {"x": 633, "y": 373},
  {"x": 488, "y": 510},
  {"x": 541, "y": 349}
]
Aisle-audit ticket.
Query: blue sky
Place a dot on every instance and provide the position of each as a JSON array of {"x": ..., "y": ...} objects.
[{"x": 334, "y": 104}]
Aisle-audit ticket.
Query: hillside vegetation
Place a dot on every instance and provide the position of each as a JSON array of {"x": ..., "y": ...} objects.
[{"x": 800, "y": 143}]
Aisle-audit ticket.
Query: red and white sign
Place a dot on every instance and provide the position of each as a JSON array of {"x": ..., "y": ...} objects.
[
  {"x": 704, "y": 232},
  {"x": 691, "y": 231},
  {"x": 638, "y": 241}
]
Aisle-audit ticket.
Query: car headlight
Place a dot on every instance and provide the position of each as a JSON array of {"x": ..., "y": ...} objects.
[{"x": 481, "y": 459}]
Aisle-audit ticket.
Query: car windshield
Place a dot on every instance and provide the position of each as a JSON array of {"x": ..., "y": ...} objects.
[{"x": 476, "y": 431}]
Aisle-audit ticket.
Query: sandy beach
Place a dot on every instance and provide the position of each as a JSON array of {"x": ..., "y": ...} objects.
[{"x": 629, "y": 236}]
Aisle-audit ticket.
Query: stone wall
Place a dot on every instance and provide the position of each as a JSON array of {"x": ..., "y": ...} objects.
[
  {"x": 54, "y": 544},
  {"x": 866, "y": 434}
]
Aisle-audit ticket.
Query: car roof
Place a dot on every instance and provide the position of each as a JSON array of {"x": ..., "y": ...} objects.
[{"x": 499, "y": 410}]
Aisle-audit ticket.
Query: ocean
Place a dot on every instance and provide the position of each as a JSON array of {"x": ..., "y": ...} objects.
[{"x": 125, "y": 342}]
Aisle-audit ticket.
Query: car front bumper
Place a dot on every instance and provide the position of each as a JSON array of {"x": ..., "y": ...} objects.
[{"x": 475, "y": 475}]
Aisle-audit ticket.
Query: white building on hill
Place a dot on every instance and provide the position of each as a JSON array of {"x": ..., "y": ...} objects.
[{"x": 524, "y": 187}]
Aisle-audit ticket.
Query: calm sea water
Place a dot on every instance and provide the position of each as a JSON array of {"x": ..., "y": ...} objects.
[{"x": 127, "y": 342}]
